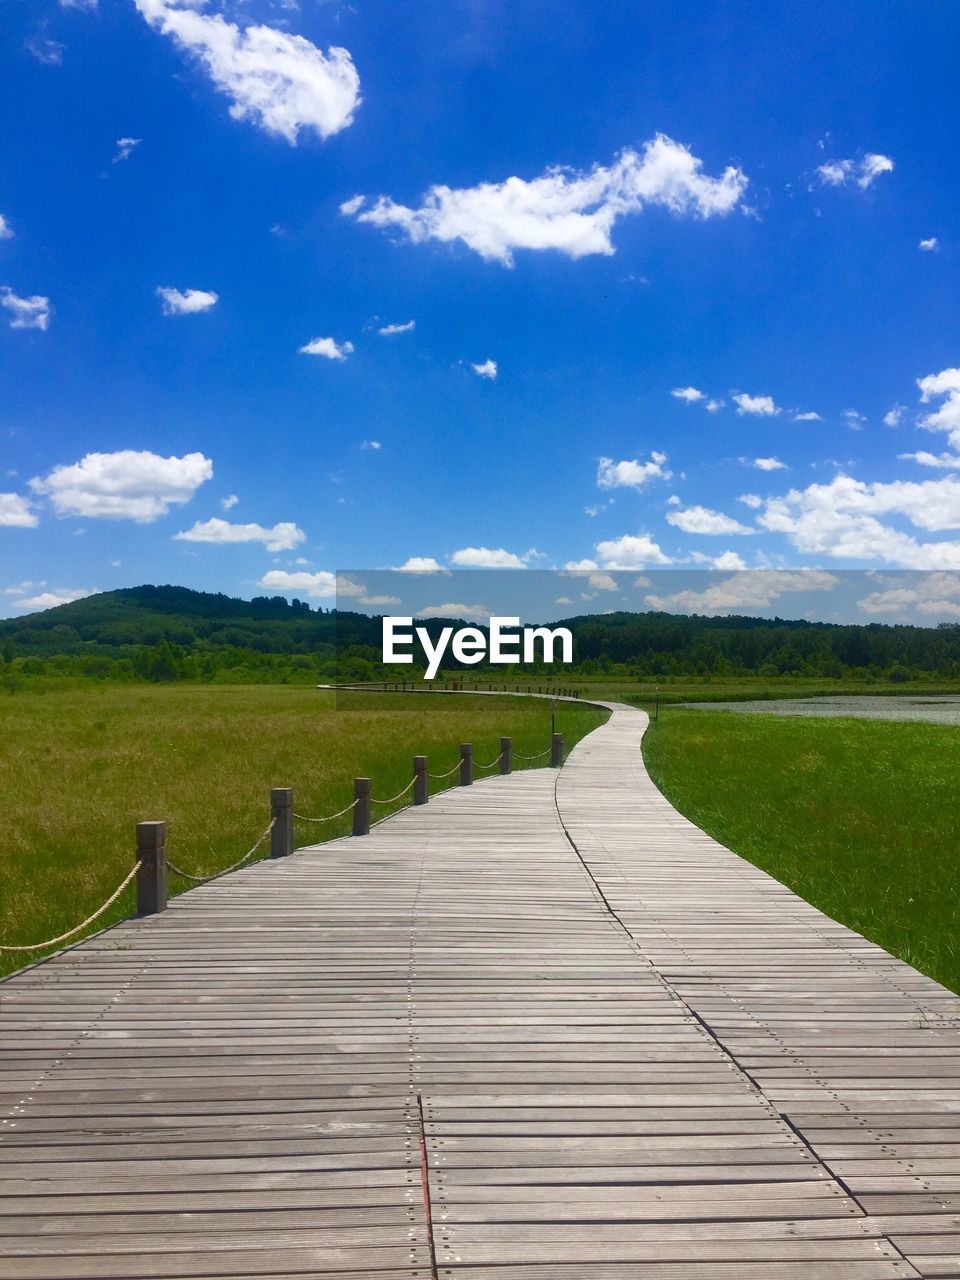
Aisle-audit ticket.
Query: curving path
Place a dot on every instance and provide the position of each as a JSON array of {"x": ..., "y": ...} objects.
[{"x": 541, "y": 1029}]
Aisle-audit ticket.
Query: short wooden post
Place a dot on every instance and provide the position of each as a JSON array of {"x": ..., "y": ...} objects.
[
  {"x": 421, "y": 783},
  {"x": 466, "y": 763},
  {"x": 361, "y": 809},
  {"x": 281, "y": 812},
  {"x": 506, "y": 755},
  {"x": 556, "y": 750},
  {"x": 152, "y": 874}
]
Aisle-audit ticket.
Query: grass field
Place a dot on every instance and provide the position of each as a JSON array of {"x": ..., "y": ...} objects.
[
  {"x": 861, "y": 818},
  {"x": 80, "y": 766}
]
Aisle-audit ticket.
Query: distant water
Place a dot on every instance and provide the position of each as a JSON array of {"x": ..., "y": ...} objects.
[{"x": 930, "y": 709}]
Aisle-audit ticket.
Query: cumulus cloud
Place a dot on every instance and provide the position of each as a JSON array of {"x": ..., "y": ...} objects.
[
  {"x": 691, "y": 395},
  {"x": 929, "y": 246},
  {"x": 16, "y": 512},
  {"x": 713, "y": 406},
  {"x": 229, "y": 502},
  {"x": 759, "y": 406},
  {"x": 316, "y": 585},
  {"x": 765, "y": 464},
  {"x": 893, "y": 417},
  {"x": 841, "y": 519},
  {"x": 421, "y": 564},
  {"x": 185, "y": 302},
  {"x": 26, "y": 313},
  {"x": 862, "y": 173},
  {"x": 390, "y": 330},
  {"x": 478, "y": 612},
  {"x": 280, "y": 82},
  {"x": 6, "y": 231},
  {"x": 326, "y": 347},
  {"x": 754, "y": 589},
  {"x": 928, "y": 594},
  {"x": 127, "y": 485},
  {"x": 125, "y": 149},
  {"x": 809, "y": 416},
  {"x": 282, "y": 537},
  {"x": 631, "y": 473},
  {"x": 489, "y": 558},
  {"x": 854, "y": 419},
  {"x": 945, "y": 385},
  {"x": 703, "y": 520},
  {"x": 944, "y": 461},
  {"x": 632, "y": 551},
  {"x": 371, "y": 444},
  {"x": 486, "y": 370},
  {"x": 50, "y": 599},
  {"x": 571, "y": 212}
]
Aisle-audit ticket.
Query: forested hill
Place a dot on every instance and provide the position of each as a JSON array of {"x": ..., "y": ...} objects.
[{"x": 173, "y": 632}]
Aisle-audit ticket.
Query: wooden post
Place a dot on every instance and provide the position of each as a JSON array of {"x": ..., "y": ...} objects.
[
  {"x": 421, "y": 783},
  {"x": 506, "y": 755},
  {"x": 281, "y": 811},
  {"x": 466, "y": 763},
  {"x": 152, "y": 876},
  {"x": 556, "y": 750},
  {"x": 361, "y": 812}
]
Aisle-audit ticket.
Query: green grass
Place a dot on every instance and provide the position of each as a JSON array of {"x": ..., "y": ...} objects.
[
  {"x": 80, "y": 766},
  {"x": 858, "y": 817}
]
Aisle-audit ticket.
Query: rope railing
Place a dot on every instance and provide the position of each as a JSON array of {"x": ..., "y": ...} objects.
[
  {"x": 151, "y": 866},
  {"x": 214, "y": 875},
  {"x": 394, "y": 799},
  {"x": 331, "y": 817},
  {"x": 72, "y": 933}
]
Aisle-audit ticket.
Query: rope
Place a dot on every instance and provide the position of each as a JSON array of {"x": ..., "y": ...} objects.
[
  {"x": 536, "y": 757},
  {"x": 303, "y": 817},
  {"x": 89, "y": 920},
  {"x": 172, "y": 866},
  {"x": 439, "y": 776},
  {"x": 373, "y": 800},
  {"x": 491, "y": 764}
]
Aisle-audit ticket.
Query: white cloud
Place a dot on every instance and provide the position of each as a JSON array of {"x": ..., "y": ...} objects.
[
  {"x": 563, "y": 600},
  {"x": 486, "y": 370},
  {"x": 809, "y": 416},
  {"x": 571, "y": 212},
  {"x": 947, "y": 417},
  {"x": 628, "y": 552},
  {"x": 602, "y": 582},
  {"x": 754, "y": 589},
  {"x": 927, "y": 594},
  {"x": 79, "y": 4},
  {"x": 127, "y": 485},
  {"x": 378, "y": 600},
  {"x": 326, "y": 347},
  {"x": 765, "y": 464},
  {"x": 389, "y": 330},
  {"x": 281, "y": 82},
  {"x": 580, "y": 566},
  {"x": 316, "y": 585},
  {"x": 488, "y": 558},
  {"x": 479, "y": 612},
  {"x": 703, "y": 520},
  {"x": 229, "y": 502},
  {"x": 630, "y": 473},
  {"x": 929, "y": 246},
  {"x": 840, "y": 173},
  {"x": 841, "y": 519},
  {"x": 125, "y": 146},
  {"x": 282, "y": 537},
  {"x": 945, "y": 461},
  {"x": 27, "y": 313},
  {"x": 371, "y": 444},
  {"x": 713, "y": 406},
  {"x": 893, "y": 417},
  {"x": 854, "y": 419},
  {"x": 15, "y": 512},
  {"x": 751, "y": 500},
  {"x": 6, "y": 231},
  {"x": 421, "y": 564},
  {"x": 46, "y": 51},
  {"x": 50, "y": 599},
  {"x": 186, "y": 302},
  {"x": 759, "y": 406},
  {"x": 691, "y": 395},
  {"x": 729, "y": 560}
]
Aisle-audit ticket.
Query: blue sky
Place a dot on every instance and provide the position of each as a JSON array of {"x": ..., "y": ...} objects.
[{"x": 661, "y": 285}]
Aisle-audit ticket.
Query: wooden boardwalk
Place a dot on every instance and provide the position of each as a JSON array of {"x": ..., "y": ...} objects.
[{"x": 541, "y": 1029}]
